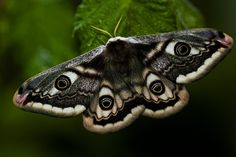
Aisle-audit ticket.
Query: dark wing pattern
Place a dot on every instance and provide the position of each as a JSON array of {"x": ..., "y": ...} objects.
[
  {"x": 64, "y": 90},
  {"x": 186, "y": 56}
]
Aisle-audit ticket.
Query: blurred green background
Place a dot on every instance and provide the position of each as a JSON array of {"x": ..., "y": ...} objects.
[{"x": 31, "y": 36}]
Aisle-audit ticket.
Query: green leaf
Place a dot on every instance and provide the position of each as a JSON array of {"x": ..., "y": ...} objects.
[
  {"x": 139, "y": 17},
  {"x": 37, "y": 34}
]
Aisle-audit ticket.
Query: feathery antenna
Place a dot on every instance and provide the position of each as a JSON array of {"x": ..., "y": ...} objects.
[{"x": 106, "y": 32}]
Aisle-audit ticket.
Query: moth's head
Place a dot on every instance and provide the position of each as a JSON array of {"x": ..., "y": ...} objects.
[{"x": 195, "y": 52}]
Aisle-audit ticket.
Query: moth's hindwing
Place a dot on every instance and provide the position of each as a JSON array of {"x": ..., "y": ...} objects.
[
  {"x": 162, "y": 97},
  {"x": 114, "y": 84},
  {"x": 112, "y": 109}
]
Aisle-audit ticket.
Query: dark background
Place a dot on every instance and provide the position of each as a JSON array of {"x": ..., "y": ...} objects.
[{"x": 206, "y": 127}]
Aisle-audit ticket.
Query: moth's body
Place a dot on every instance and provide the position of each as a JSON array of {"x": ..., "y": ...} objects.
[{"x": 115, "y": 83}]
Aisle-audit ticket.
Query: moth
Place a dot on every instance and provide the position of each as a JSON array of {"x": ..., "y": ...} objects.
[{"x": 113, "y": 84}]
